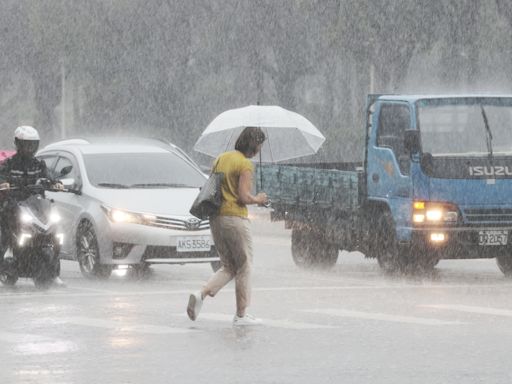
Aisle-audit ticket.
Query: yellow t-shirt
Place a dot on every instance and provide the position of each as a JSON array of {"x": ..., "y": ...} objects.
[{"x": 232, "y": 164}]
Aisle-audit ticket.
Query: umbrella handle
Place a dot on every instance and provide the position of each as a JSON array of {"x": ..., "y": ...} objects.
[{"x": 261, "y": 175}]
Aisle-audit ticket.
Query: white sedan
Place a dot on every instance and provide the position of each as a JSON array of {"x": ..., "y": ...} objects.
[{"x": 130, "y": 206}]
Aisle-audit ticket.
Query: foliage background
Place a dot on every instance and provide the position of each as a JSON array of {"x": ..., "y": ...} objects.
[{"x": 166, "y": 68}]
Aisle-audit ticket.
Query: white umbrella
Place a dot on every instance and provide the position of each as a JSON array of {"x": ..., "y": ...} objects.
[{"x": 289, "y": 135}]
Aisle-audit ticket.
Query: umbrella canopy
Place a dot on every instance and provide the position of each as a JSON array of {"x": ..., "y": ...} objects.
[{"x": 289, "y": 135}]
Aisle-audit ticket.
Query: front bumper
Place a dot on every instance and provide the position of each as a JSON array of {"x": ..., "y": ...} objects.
[
  {"x": 458, "y": 243},
  {"x": 134, "y": 243}
]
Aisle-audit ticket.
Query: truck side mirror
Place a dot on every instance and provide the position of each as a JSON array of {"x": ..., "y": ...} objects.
[{"x": 412, "y": 141}]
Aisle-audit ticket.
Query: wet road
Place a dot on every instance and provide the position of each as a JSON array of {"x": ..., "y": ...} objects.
[{"x": 352, "y": 325}]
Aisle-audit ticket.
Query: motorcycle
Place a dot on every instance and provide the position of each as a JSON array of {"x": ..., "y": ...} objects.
[{"x": 36, "y": 239}]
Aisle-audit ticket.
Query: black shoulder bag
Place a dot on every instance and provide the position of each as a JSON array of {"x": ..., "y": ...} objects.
[{"x": 209, "y": 200}]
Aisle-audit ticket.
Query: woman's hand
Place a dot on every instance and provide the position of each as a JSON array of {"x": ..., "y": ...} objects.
[{"x": 261, "y": 198}]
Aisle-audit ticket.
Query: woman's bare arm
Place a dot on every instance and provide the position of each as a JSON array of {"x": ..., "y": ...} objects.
[{"x": 244, "y": 190}]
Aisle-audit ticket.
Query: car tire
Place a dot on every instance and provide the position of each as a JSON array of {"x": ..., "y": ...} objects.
[
  {"x": 88, "y": 253},
  {"x": 140, "y": 271},
  {"x": 8, "y": 279}
]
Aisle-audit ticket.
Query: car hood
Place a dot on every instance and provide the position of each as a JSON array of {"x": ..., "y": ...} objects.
[{"x": 159, "y": 201}]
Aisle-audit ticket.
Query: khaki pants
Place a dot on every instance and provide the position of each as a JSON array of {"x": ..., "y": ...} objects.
[{"x": 233, "y": 241}]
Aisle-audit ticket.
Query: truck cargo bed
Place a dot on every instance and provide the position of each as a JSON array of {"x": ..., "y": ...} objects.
[{"x": 307, "y": 187}]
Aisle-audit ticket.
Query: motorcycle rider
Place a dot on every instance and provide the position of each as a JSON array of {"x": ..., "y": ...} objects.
[{"x": 21, "y": 170}]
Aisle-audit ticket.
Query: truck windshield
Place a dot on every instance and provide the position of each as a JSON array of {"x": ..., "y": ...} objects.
[{"x": 462, "y": 130}]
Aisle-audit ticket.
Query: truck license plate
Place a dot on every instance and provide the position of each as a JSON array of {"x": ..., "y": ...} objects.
[
  {"x": 193, "y": 244},
  {"x": 496, "y": 237}
]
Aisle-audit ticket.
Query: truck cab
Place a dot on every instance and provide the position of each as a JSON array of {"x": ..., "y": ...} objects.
[{"x": 438, "y": 179}]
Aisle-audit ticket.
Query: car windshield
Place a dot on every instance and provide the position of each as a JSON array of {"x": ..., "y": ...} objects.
[
  {"x": 460, "y": 129},
  {"x": 141, "y": 170}
]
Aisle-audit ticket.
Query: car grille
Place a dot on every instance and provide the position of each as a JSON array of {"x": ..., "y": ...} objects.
[
  {"x": 190, "y": 224},
  {"x": 488, "y": 215}
]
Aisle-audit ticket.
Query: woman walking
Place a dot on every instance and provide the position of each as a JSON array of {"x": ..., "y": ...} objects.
[{"x": 231, "y": 229}]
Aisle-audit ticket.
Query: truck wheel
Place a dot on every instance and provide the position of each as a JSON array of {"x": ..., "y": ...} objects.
[
  {"x": 389, "y": 255},
  {"x": 424, "y": 263},
  {"x": 328, "y": 256},
  {"x": 88, "y": 253},
  {"x": 310, "y": 251},
  {"x": 504, "y": 261}
]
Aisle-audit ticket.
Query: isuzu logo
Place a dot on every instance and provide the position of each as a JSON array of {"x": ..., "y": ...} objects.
[
  {"x": 497, "y": 170},
  {"x": 192, "y": 223}
]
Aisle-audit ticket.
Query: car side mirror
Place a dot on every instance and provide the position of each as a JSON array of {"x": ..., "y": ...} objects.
[
  {"x": 68, "y": 183},
  {"x": 66, "y": 170},
  {"x": 412, "y": 141},
  {"x": 71, "y": 186}
]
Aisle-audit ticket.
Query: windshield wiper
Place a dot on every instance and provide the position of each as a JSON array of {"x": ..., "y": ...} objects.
[
  {"x": 488, "y": 130},
  {"x": 159, "y": 185},
  {"x": 112, "y": 185}
]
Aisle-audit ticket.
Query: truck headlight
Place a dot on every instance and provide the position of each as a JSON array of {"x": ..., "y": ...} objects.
[{"x": 434, "y": 213}]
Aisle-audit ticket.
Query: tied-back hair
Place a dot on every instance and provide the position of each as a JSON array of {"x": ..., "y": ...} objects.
[{"x": 248, "y": 141}]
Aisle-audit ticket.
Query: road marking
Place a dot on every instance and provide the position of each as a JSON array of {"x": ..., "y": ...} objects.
[
  {"x": 382, "y": 317},
  {"x": 27, "y": 344},
  {"x": 119, "y": 325},
  {"x": 286, "y": 324},
  {"x": 472, "y": 309},
  {"x": 63, "y": 294},
  {"x": 12, "y": 337}
]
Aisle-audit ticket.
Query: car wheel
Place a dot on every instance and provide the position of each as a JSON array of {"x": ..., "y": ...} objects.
[
  {"x": 140, "y": 271},
  {"x": 8, "y": 279},
  {"x": 88, "y": 253}
]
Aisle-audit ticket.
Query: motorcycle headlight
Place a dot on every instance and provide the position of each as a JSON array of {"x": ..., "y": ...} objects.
[
  {"x": 55, "y": 217},
  {"x": 26, "y": 218}
]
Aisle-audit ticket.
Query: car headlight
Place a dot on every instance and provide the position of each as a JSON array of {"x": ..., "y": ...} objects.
[
  {"x": 121, "y": 216},
  {"x": 434, "y": 213}
]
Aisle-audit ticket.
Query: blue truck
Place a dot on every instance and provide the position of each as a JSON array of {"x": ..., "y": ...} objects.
[{"x": 435, "y": 183}]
